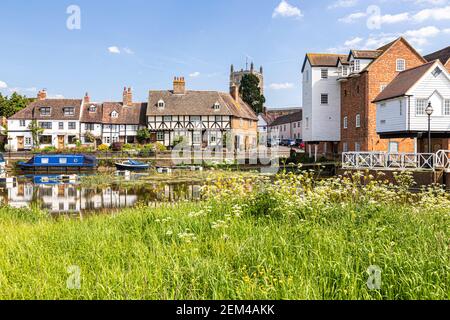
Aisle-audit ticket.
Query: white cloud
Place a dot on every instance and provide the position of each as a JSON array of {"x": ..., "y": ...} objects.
[
  {"x": 284, "y": 9},
  {"x": 353, "y": 17},
  {"x": 128, "y": 51},
  {"x": 3, "y": 85},
  {"x": 343, "y": 4},
  {"x": 433, "y": 14},
  {"x": 114, "y": 50},
  {"x": 281, "y": 86},
  {"x": 194, "y": 74}
]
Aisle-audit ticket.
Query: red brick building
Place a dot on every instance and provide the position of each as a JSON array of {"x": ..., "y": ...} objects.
[{"x": 370, "y": 72}]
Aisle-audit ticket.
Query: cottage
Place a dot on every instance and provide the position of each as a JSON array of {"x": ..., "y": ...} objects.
[{"x": 287, "y": 127}]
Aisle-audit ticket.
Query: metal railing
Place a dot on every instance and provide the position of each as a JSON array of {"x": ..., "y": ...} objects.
[{"x": 397, "y": 161}]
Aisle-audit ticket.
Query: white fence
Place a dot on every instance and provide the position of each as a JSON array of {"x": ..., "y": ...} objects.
[{"x": 396, "y": 161}]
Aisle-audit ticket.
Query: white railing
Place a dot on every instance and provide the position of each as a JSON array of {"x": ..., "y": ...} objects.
[{"x": 397, "y": 161}]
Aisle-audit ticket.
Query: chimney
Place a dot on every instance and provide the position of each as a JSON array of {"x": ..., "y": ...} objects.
[
  {"x": 179, "y": 85},
  {"x": 234, "y": 91},
  {"x": 42, "y": 94},
  {"x": 86, "y": 99},
  {"x": 125, "y": 96},
  {"x": 129, "y": 97}
]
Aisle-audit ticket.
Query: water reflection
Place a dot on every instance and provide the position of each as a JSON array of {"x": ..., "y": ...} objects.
[{"x": 73, "y": 199}]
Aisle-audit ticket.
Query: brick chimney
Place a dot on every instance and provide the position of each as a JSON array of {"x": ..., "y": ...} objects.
[
  {"x": 234, "y": 91},
  {"x": 42, "y": 94},
  {"x": 179, "y": 85},
  {"x": 125, "y": 96},
  {"x": 129, "y": 97},
  {"x": 86, "y": 99}
]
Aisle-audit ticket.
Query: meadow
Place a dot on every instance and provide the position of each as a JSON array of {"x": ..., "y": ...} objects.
[{"x": 292, "y": 237}]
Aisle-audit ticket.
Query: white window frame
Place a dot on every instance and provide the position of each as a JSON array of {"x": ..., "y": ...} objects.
[
  {"x": 356, "y": 65},
  {"x": 382, "y": 87},
  {"x": 307, "y": 123},
  {"x": 345, "y": 122},
  {"x": 345, "y": 147},
  {"x": 22, "y": 123},
  {"x": 324, "y": 73},
  {"x": 446, "y": 107},
  {"x": 358, "y": 121},
  {"x": 421, "y": 111},
  {"x": 357, "y": 147},
  {"x": 400, "y": 65}
]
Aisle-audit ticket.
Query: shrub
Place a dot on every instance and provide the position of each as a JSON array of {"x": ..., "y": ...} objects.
[
  {"x": 160, "y": 147},
  {"x": 117, "y": 146},
  {"x": 103, "y": 148},
  {"x": 143, "y": 135}
]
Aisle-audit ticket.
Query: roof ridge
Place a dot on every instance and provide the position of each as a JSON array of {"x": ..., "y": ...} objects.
[{"x": 420, "y": 66}]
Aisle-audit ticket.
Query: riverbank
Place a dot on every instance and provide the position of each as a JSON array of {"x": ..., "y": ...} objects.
[{"x": 294, "y": 238}]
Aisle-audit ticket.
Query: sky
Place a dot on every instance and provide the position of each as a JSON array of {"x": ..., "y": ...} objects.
[{"x": 100, "y": 46}]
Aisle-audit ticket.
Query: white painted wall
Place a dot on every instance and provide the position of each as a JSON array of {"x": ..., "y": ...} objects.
[{"x": 324, "y": 120}]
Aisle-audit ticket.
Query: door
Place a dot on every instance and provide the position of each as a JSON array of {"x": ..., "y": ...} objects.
[
  {"x": 61, "y": 142},
  {"x": 20, "y": 143}
]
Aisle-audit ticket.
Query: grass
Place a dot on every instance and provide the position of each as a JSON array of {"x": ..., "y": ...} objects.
[{"x": 267, "y": 242}]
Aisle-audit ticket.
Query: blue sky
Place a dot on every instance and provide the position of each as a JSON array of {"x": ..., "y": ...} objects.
[{"x": 145, "y": 43}]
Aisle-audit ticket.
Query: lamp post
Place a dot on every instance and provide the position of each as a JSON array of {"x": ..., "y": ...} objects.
[{"x": 429, "y": 111}]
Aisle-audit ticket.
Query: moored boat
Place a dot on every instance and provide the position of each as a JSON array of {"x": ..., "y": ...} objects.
[
  {"x": 59, "y": 163},
  {"x": 132, "y": 165}
]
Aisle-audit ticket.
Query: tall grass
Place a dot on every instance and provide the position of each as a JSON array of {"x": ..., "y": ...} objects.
[{"x": 295, "y": 238}]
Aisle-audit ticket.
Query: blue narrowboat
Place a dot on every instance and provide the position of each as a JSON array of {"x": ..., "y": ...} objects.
[{"x": 59, "y": 162}]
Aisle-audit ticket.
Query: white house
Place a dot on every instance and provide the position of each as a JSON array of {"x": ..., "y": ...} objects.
[
  {"x": 401, "y": 106},
  {"x": 60, "y": 119},
  {"x": 287, "y": 127},
  {"x": 321, "y": 98}
]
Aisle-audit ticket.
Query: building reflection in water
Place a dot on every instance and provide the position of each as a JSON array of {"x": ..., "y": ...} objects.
[{"x": 73, "y": 199}]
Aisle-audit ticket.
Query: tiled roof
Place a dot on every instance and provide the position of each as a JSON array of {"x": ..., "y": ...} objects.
[
  {"x": 323, "y": 59},
  {"x": 32, "y": 111},
  {"x": 92, "y": 117},
  {"x": 443, "y": 55},
  {"x": 366, "y": 54},
  {"x": 290, "y": 118},
  {"x": 403, "y": 82},
  {"x": 198, "y": 103},
  {"x": 134, "y": 114}
]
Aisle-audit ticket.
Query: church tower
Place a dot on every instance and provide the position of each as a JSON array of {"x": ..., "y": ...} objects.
[{"x": 236, "y": 76}]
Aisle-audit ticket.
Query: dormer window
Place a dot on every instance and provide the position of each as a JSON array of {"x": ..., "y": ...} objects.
[
  {"x": 216, "y": 106},
  {"x": 114, "y": 115},
  {"x": 45, "y": 111},
  {"x": 69, "y": 111},
  {"x": 161, "y": 104},
  {"x": 92, "y": 109}
]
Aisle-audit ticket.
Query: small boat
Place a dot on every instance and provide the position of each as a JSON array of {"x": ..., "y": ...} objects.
[
  {"x": 132, "y": 165},
  {"x": 59, "y": 163}
]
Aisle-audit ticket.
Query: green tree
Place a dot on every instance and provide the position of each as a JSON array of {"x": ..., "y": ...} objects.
[
  {"x": 11, "y": 105},
  {"x": 143, "y": 135},
  {"x": 36, "y": 130},
  {"x": 251, "y": 93}
]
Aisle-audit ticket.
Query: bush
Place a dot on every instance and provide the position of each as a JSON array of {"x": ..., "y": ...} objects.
[
  {"x": 117, "y": 146},
  {"x": 103, "y": 148},
  {"x": 160, "y": 147}
]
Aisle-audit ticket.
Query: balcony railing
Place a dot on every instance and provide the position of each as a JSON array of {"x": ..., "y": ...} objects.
[{"x": 397, "y": 161}]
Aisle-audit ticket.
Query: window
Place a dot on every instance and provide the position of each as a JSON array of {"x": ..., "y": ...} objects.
[
  {"x": 161, "y": 104},
  {"x": 197, "y": 119},
  {"x": 167, "y": 118},
  {"x": 357, "y": 147},
  {"x": 89, "y": 126},
  {"x": 295, "y": 125},
  {"x": 61, "y": 126},
  {"x": 356, "y": 65},
  {"x": 45, "y": 125},
  {"x": 45, "y": 111},
  {"x": 345, "y": 147},
  {"x": 197, "y": 137},
  {"x": 401, "y": 65},
  {"x": 344, "y": 71},
  {"x": 72, "y": 139},
  {"x": 69, "y": 111},
  {"x": 436, "y": 72},
  {"x": 28, "y": 141},
  {"x": 345, "y": 122},
  {"x": 72, "y": 125},
  {"x": 393, "y": 147},
  {"x": 324, "y": 98},
  {"x": 216, "y": 106},
  {"x": 421, "y": 105},
  {"x": 307, "y": 123},
  {"x": 324, "y": 73},
  {"x": 218, "y": 118},
  {"x": 92, "y": 109},
  {"x": 358, "y": 121},
  {"x": 45, "y": 139},
  {"x": 160, "y": 136},
  {"x": 22, "y": 123},
  {"x": 447, "y": 107},
  {"x": 382, "y": 87},
  {"x": 114, "y": 114},
  {"x": 107, "y": 140}
]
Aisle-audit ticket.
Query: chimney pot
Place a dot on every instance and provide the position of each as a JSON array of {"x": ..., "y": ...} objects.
[
  {"x": 179, "y": 85},
  {"x": 87, "y": 99},
  {"x": 42, "y": 94}
]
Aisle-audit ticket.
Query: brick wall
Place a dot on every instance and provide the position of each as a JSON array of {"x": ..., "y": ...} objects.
[{"x": 381, "y": 72}]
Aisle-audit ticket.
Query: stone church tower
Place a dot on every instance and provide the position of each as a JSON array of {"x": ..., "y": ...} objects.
[{"x": 236, "y": 76}]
